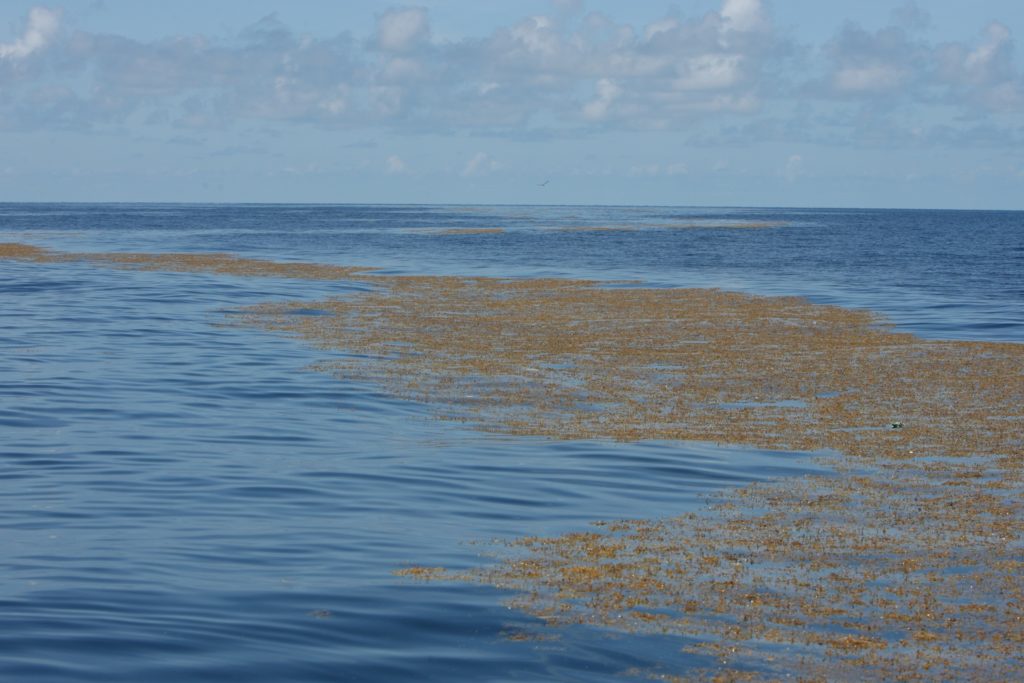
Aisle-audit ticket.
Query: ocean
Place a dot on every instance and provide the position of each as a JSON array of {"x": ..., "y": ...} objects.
[{"x": 182, "y": 498}]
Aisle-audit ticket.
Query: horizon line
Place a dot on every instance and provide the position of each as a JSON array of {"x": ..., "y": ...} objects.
[{"x": 504, "y": 204}]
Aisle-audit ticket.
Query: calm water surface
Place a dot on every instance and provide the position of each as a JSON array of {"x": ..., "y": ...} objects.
[{"x": 183, "y": 500}]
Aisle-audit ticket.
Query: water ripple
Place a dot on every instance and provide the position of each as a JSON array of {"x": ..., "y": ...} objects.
[{"x": 186, "y": 501}]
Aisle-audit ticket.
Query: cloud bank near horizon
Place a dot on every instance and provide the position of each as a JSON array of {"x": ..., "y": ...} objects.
[
  {"x": 731, "y": 105},
  {"x": 563, "y": 72}
]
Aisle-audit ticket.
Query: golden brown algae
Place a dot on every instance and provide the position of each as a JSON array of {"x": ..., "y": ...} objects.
[
  {"x": 905, "y": 564},
  {"x": 224, "y": 264}
]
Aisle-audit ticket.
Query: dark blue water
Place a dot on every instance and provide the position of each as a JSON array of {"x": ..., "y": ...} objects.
[{"x": 183, "y": 500}]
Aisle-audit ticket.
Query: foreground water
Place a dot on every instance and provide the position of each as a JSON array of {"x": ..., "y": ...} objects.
[{"x": 183, "y": 501}]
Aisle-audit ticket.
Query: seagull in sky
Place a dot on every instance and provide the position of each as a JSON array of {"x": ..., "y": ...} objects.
[{"x": 544, "y": 183}]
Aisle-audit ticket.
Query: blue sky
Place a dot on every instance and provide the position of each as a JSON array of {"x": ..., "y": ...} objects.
[{"x": 881, "y": 103}]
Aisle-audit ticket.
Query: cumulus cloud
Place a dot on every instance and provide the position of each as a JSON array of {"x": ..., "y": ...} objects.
[
  {"x": 607, "y": 91},
  {"x": 480, "y": 164},
  {"x": 40, "y": 28},
  {"x": 996, "y": 37},
  {"x": 571, "y": 70},
  {"x": 744, "y": 15},
  {"x": 867, "y": 62},
  {"x": 400, "y": 30},
  {"x": 709, "y": 72},
  {"x": 537, "y": 36},
  {"x": 666, "y": 25},
  {"x": 894, "y": 64},
  {"x": 536, "y": 68},
  {"x": 985, "y": 73},
  {"x": 987, "y": 62}
]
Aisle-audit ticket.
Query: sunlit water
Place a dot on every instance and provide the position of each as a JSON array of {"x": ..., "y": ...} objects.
[{"x": 184, "y": 500}]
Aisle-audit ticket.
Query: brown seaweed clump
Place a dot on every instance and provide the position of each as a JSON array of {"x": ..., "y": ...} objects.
[
  {"x": 26, "y": 252},
  {"x": 904, "y": 564},
  {"x": 572, "y": 359},
  {"x": 222, "y": 264}
]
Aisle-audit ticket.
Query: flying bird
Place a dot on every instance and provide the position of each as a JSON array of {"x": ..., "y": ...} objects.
[{"x": 544, "y": 183}]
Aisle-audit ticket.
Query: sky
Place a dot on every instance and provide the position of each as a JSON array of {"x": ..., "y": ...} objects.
[{"x": 879, "y": 103}]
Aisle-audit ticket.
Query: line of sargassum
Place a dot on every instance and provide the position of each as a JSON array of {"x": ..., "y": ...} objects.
[
  {"x": 906, "y": 565},
  {"x": 224, "y": 264}
]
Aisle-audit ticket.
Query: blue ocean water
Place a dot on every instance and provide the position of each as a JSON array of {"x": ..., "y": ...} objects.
[{"x": 184, "y": 500}]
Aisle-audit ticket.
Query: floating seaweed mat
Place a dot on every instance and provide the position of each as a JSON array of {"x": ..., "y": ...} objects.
[
  {"x": 903, "y": 564},
  {"x": 224, "y": 264}
]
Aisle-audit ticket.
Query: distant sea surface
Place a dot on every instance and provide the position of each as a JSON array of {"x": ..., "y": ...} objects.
[{"x": 184, "y": 500}]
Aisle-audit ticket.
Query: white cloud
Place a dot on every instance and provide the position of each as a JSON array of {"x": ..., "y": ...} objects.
[
  {"x": 743, "y": 15},
  {"x": 996, "y": 35},
  {"x": 537, "y": 35},
  {"x": 394, "y": 164},
  {"x": 710, "y": 72},
  {"x": 539, "y": 75},
  {"x": 399, "y": 30},
  {"x": 41, "y": 26},
  {"x": 607, "y": 92},
  {"x": 665, "y": 25},
  {"x": 984, "y": 75},
  {"x": 334, "y": 106},
  {"x": 892, "y": 66},
  {"x": 480, "y": 164},
  {"x": 874, "y": 66},
  {"x": 531, "y": 70}
]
